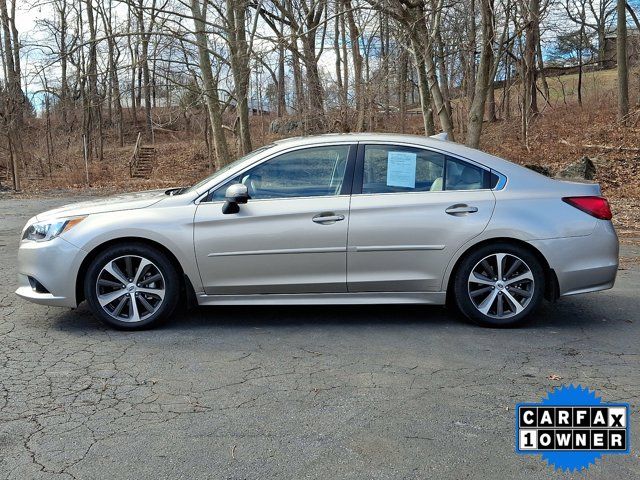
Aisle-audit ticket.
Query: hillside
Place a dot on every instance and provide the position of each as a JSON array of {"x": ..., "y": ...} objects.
[{"x": 562, "y": 133}]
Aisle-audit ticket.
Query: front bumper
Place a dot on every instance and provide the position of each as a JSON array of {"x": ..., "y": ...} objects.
[
  {"x": 583, "y": 264},
  {"x": 55, "y": 265}
]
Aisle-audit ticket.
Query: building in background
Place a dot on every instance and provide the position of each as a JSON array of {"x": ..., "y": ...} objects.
[{"x": 633, "y": 48}]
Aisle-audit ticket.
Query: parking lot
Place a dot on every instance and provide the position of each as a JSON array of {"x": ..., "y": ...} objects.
[{"x": 298, "y": 392}]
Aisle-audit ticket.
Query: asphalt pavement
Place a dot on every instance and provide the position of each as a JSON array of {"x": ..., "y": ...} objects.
[{"x": 331, "y": 392}]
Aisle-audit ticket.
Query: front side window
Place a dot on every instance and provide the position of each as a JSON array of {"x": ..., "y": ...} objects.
[
  {"x": 308, "y": 172},
  {"x": 397, "y": 169}
]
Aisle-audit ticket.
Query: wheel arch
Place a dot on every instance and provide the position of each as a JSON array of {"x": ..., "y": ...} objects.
[
  {"x": 551, "y": 279},
  {"x": 186, "y": 288}
]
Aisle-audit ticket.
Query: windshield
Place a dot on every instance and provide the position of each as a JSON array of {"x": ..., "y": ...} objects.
[{"x": 224, "y": 169}]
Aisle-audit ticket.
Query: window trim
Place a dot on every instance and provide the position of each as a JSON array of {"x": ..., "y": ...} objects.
[
  {"x": 347, "y": 182},
  {"x": 358, "y": 181}
]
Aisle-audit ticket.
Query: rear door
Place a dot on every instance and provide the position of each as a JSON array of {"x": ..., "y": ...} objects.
[{"x": 411, "y": 209}]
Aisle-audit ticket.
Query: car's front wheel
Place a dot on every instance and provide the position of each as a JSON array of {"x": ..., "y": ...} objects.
[
  {"x": 499, "y": 285},
  {"x": 132, "y": 286}
]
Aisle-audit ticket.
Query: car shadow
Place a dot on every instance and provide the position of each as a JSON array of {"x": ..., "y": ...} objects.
[
  {"x": 301, "y": 315},
  {"x": 566, "y": 314},
  {"x": 244, "y": 316}
]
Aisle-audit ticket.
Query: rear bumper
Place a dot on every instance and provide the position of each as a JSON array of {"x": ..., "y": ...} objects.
[
  {"x": 54, "y": 264},
  {"x": 583, "y": 264}
]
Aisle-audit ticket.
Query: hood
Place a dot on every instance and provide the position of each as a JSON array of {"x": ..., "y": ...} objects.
[{"x": 129, "y": 201}]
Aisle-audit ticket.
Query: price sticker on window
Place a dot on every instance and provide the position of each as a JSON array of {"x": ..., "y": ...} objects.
[{"x": 401, "y": 169}]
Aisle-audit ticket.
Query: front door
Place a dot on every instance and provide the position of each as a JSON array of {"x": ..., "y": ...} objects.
[
  {"x": 290, "y": 237},
  {"x": 411, "y": 210}
]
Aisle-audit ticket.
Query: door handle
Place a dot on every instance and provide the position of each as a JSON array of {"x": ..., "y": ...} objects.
[
  {"x": 327, "y": 218},
  {"x": 461, "y": 209}
]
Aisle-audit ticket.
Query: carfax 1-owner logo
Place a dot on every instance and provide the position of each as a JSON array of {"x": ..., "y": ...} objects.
[{"x": 572, "y": 427}]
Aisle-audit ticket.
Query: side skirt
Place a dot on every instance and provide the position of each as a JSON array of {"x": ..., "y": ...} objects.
[{"x": 430, "y": 298}]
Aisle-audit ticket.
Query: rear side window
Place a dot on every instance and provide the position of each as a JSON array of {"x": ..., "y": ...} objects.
[
  {"x": 393, "y": 169},
  {"x": 463, "y": 176},
  {"x": 396, "y": 169},
  {"x": 493, "y": 181}
]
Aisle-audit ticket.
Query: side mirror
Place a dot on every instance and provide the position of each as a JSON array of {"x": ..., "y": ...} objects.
[{"x": 235, "y": 195}]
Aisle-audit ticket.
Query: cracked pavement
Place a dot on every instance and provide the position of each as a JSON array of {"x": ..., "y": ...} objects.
[{"x": 297, "y": 392}]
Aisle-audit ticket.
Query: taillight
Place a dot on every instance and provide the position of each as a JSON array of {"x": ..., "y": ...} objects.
[{"x": 595, "y": 206}]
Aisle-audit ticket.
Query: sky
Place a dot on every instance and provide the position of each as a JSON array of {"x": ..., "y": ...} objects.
[{"x": 30, "y": 32}]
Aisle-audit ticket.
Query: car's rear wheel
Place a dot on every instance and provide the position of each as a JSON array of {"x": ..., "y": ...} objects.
[
  {"x": 132, "y": 286},
  {"x": 499, "y": 285}
]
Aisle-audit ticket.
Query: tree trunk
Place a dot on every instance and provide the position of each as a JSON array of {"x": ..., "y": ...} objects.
[
  {"x": 64, "y": 84},
  {"x": 210, "y": 87},
  {"x": 442, "y": 72},
  {"x": 297, "y": 77},
  {"x": 385, "y": 45},
  {"x": 314, "y": 85},
  {"x": 282, "y": 102},
  {"x": 14, "y": 164},
  {"x": 529, "y": 91},
  {"x": 423, "y": 89},
  {"x": 114, "y": 81},
  {"x": 12, "y": 106},
  {"x": 402, "y": 80},
  {"x": 492, "y": 116},
  {"x": 621, "y": 56},
  {"x": 476, "y": 112},
  {"x": 540, "y": 64},
  {"x": 93, "y": 125},
  {"x": 471, "y": 80},
  {"x": 531, "y": 46},
  {"x": 506, "y": 88},
  {"x": 446, "y": 122},
  {"x": 238, "y": 48},
  {"x": 146, "y": 77},
  {"x": 358, "y": 81},
  {"x": 580, "y": 64},
  {"x": 338, "y": 63},
  {"x": 345, "y": 65},
  {"x": 133, "y": 53}
]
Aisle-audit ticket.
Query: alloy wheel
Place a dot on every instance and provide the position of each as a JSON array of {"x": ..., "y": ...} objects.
[
  {"x": 501, "y": 285},
  {"x": 130, "y": 288}
]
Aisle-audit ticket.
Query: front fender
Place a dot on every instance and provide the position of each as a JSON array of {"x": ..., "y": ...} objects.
[{"x": 171, "y": 227}]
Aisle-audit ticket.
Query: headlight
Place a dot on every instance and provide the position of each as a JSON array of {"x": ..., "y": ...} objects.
[{"x": 44, "y": 231}]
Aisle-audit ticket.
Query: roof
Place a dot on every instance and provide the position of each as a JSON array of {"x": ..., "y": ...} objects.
[
  {"x": 517, "y": 174},
  {"x": 630, "y": 32}
]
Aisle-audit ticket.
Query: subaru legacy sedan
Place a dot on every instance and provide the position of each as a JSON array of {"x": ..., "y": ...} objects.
[{"x": 333, "y": 219}]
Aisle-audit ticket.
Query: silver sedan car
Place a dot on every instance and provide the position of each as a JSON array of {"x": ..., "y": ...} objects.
[{"x": 334, "y": 219}]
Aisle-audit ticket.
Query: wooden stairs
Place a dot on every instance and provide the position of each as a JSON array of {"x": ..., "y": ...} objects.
[
  {"x": 146, "y": 161},
  {"x": 143, "y": 160}
]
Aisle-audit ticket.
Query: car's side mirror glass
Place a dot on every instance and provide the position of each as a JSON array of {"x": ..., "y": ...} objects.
[{"x": 235, "y": 195}]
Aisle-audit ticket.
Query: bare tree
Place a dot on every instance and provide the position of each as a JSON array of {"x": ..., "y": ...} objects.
[
  {"x": 12, "y": 95},
  {"x": 358, "y": 79},
  {"x": 413, "y": 16},
  {"x": 210, "y": 86},
  {"x": 239, "y": 50},
  {"x": 476, "y": 112},
  {"x": 621, "y": 56}
]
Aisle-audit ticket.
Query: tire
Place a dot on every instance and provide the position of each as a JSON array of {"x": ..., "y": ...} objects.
[
  {"x": 132, "y": 305},
  {"x": 493, "y": 302}
]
